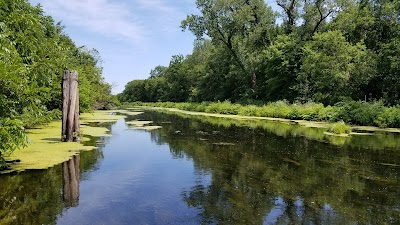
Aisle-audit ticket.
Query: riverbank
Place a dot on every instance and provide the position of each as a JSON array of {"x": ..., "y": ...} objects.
[
  {"x": 378, "y": 139},
  {"x": 310, "y": 114}
]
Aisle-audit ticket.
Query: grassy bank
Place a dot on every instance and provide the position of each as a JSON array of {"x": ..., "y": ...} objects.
[
  {"x": 318, "y": 131},
  {"x": 352, "y": 112}
]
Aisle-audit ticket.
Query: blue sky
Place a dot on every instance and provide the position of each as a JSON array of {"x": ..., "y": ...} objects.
[{"x": 132, "y": 36}]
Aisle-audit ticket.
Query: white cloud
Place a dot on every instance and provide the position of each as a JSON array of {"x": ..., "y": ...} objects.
[
  {"x": 107, "y": 17},
  {"x": 167, "y": 14}
]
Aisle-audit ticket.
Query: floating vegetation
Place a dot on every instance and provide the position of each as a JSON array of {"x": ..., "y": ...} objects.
[
  {"x": 101, "y": 117},
  {"x": 138, "y": 123},
  {"x": 128, "y": 112},
  {"x": 389, "y": 164},
  {"x": 202, "y": 132},
  {"x": 371, "y": 129},
  {"x": 337, "y": 135},
  {"x": 142, "y": 125},
  {"x": 224, "y": 144},
  {"x": 311, "y": 130},
  {"x": 94, "y": 131},
  {"x": 146, "y": 128},
  {"x": 46, "y": 149}
]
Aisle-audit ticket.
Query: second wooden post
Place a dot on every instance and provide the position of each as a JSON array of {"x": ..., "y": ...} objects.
[{"x": 70, "y": 112}]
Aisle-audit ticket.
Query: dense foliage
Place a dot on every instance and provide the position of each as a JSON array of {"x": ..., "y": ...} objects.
[
  {"x": 352, "y": 112},
  {"x": 325, "y": 51},
  {"x": 34, "y": 52}
]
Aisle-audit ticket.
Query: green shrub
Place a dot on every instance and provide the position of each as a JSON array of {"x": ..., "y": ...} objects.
[
  {"x": 249, "y": 110},
  {"x": 339, "y": 128},
  {"x": 201, "y": 107},
  {"x": 359, "y": 112},
  {"x": 389, "y": 117},
  {"x": 12, "y": 137}
]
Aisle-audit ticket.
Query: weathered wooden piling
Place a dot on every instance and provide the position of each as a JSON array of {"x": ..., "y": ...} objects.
[{"x": 70, "y": 112}]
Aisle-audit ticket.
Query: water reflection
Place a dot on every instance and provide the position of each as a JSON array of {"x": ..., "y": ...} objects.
[
  {"x": 71, "y": 174},
  {"x": 261, "y": 177},
  {"x": 40, "y": 197},
  {"x": 378, "y": 141},
  {"x": 194, "y": 171}
]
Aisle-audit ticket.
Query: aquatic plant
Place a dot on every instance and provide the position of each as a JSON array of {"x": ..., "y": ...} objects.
[{"x": 339, "y": 128}]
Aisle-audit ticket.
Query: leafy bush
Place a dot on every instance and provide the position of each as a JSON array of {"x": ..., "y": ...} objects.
[
  {"x": 31, "y": 119},
  {"x": 388, "y": 117},
  {"x": 339, "y": 128},
  {"x": 249, "y": 110},
  {"x": 12, "y": 137},
  {"x": 223, "y": 108},
  {"x": 359, "y": 112}
]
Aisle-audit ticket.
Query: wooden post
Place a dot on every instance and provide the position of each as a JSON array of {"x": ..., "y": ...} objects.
[{"x": 70, "y": 112}]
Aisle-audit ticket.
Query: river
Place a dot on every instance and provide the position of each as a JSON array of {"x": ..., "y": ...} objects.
[{"x": 198, "y": 170}]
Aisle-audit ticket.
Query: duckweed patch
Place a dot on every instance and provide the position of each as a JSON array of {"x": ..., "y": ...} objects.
[
  {"x": 101, "y": 116},
  {"x": 142, "y": 125},
  {"x": 45, "y": 148},
  {"x": 149, "y": 128},
  {"x": 337, "y": 135},
  {"x": 128, "y": 112},
  {"x": 137, "y": 123},
  {"x": 224, "y": 144},
  {"x": 94, "y": 131},
  {"x": 375, "y": 129}
]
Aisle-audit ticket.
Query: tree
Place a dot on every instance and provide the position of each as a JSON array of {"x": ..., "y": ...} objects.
[
  {"x": 34, "y": 53},
  {"x": 283, "y": 61},
  {"x": 242, "y": 26},
  {"x": 329, "y": 66}
]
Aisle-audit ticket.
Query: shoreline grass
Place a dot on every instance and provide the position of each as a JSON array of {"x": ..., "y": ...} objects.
[{"x": 354, "y": 113}]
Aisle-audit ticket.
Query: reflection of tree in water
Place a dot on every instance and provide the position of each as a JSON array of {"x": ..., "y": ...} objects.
[
  {"x": 38, "y": 197},
  {"x": 91, "y": 160},
  {"x": 318, "y": 183}
]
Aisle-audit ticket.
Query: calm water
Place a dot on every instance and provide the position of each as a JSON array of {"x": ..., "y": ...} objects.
[{"x": 198, "y": 170}]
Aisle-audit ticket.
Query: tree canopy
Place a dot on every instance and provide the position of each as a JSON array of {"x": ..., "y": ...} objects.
[
  {"x": 34, "y": 53},
  {"x": 324, "y": 51}
]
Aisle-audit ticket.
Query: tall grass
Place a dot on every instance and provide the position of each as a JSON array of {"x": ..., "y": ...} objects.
[
  {"x": 350, "y": 112},
  {"x": 339, "y": 128}
]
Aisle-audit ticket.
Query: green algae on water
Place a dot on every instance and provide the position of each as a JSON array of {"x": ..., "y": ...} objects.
[
  {"x": 46, "y": 149},
  {"x": 377, "y": 138},
  {"x": 149, "y": 128},
  {"x": 142, "y": 125},
  {"x": 138, "y": 123},
  {"x": 129, "y": 113},
  {"x": 101, "y": 116}
]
